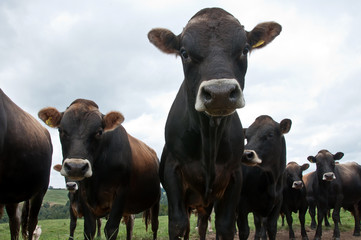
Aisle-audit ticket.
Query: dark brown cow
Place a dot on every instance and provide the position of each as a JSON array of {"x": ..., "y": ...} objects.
[
  {"x": 117, "y": 174},
  {"x": 308, "y": 180},
  {"x": 335, "y": 185},
  {"x": 294, "y": 197},
  {"x": 76, "y": 209},
  {"x": 25, "y": 161},
  {"x": 263, "y": 184},
  {"x": 200, "y": 163}
]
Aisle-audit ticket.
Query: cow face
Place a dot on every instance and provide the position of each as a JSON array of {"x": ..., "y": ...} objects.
[
  {"x": 81, "y": 129},
  {"x": 264, "y": 136},
  {"x": 293, "y": 174},
  {"x": 213, "y": 47},
  {"x": 325, "y": 164}
]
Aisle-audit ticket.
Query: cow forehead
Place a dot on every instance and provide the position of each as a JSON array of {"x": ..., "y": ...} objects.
[
  {"x": 82, "y": 111},
  {"x": 324, "y": 154}
]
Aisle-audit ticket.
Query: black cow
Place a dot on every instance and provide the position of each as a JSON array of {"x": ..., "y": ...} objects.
[
  {"x": 200, "y": 163},
  {"x": 117, "y": 174},
  {"x": 335, "y": 185},
  {"x": 263, "y": 184},
  {"x": 294, "y": 196},
  {"x": 25, "y": 161},
  {"x": 311, "y": 201}
]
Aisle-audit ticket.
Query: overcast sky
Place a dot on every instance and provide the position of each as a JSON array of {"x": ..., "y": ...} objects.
[{"x": 53, "y": 52}]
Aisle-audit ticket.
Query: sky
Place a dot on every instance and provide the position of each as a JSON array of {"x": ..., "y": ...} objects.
[{"x": 53, "y": 52}]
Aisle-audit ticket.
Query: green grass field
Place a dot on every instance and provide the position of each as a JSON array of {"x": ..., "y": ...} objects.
[{"x": 58, "y": 229}]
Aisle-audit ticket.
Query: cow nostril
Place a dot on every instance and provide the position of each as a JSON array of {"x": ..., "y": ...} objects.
[
  {"x": 67, "y": 167},
  {"x": 85, "y": 168},
  {"x": 250, "y": 155},
  {"x": 235, "y": 94},
  {"x": 206, "y": 94}
]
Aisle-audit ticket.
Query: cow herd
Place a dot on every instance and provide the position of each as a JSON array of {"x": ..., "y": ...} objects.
[{"x": 205, "y": 164}]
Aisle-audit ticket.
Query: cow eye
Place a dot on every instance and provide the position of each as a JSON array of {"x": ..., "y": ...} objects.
[
  {"x": 184, "y": 54},
  {"x": 245, "y": 50},
  {"x": 99, "y": 133},
  {"x": 62, "y": 132}
]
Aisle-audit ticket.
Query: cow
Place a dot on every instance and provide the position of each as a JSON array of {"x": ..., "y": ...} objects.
[
  {"x": 308, "y": 181},
  {"x": 335, "y": 185},
  {"x": 294, "y": 196},
  {"x": 263, "y": 183},
  {"x": 76, "y": 209},
  {"x": 25, "y": 161},
  {"x": 200, "y": 162},
  {"x": 117, "y": 174}
]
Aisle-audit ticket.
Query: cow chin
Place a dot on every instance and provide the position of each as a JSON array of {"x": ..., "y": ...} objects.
[
  {"x": 76, "y": 169},
  {"x": 220, "y": 112}
]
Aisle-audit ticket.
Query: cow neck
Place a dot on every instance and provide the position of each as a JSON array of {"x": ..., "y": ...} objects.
[{"x": 211, "y": 134}]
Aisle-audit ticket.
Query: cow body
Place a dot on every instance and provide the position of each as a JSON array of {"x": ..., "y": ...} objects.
[
  {"x": 335, "y": 185},
  {"x": 294, "y": 197},
  {"x": 25, "y": 161},
  {"x": 263, "y": 184},
  {"x": 117, "y": 174},
  {"x": 311, "y": 201},
  {"x": 200, "y": 163}
]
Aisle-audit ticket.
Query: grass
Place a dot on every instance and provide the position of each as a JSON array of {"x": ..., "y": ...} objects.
[
  {"x": 56, "y": 196},
  {"x": 59, "y": 229}
]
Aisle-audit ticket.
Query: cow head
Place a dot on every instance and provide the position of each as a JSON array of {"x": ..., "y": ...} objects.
[
  {"x": 81, "y": 130},
  {"x": 214, "y": 47},
  {"x": 293, "y": 174},
  {"x": 265, "y": 137},
  {"x": 325, "y": 164}
]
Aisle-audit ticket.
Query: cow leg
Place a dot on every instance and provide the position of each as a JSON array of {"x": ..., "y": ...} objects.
[
  {"x": 129, "y": 223},
  {"x": 89, "y": 223},
  {"x": 272, "y": 221},
  {"x": 312, "y": 212},
  {"x": 356, "y": 215},
  {"x": 34, "y": 208},
  {"x": 242, "y": 223},
  {"x": 14, "y": 220},
  {"x": 154, "y": 219},
  {"x": 99, "y": 227},
  {"x": 225, "y": 209},
  {"x": 112, "y": 226},
  {"x": 177, "y": 211},
  {"x": 336, "y": 218},
  {"x": 258, "y": 227},
  {"x": 289, "y": 220},
  {"x": 73, "y": 220},
  {"x": 203, "y": 218},
  {"x": 301, "y": 217},
  {"x": 321, "y": 212},
  {"x": 327, "y": 223}
]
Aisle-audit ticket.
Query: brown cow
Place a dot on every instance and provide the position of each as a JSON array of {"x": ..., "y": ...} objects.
[
  {"x": 25, "y": 161},
  {"x": 117, "y": 173},
  {"x": 200, "y": 163}
]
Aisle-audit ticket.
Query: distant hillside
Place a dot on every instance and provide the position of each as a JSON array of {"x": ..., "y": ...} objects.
[{"x": 56, "y": 196}]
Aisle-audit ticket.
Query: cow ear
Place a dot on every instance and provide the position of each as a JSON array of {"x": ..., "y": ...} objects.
[
  {"x": 112, "y": 120},
  {"x": 50, "y": 116},
  {"x": 338, "y": 155},
  {"x": 285, "y": 125},
  {"x": 311, "y": 159},
  {"x": 57, "y": 167},
  {"x": 305, "y": 167},
  {"x": 263, "y": 34},
  {"x": 164, "y": 39}
]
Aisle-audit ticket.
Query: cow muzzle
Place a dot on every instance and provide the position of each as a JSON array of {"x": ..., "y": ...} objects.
[
  {"x": 71, "y": 186},
  {"x": 329, "y": 176},
  {"x": 219, "y": 97},
  {"x": 76, "y": 169},
  {"x": 250, "y": 158},
  {"x": 297, "y": 185}
]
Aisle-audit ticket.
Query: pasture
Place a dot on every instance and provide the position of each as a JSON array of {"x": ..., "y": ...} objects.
[{"x": 58, "y": 229}]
